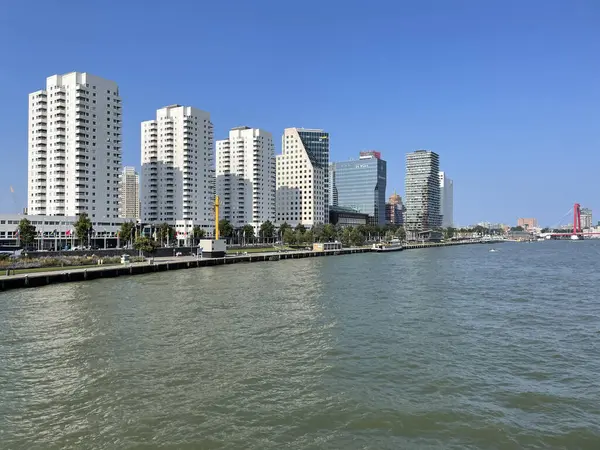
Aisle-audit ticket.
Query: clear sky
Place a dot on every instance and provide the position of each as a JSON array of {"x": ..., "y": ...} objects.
[{"x": 507, "y": 91}]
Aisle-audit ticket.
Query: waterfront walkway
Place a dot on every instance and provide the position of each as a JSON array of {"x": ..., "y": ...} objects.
[{"x": 35, "y": 279}]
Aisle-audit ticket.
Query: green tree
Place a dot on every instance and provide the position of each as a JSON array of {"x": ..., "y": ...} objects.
[
  {"x": 345, "y": 236},
  {"x": 225, "y": 228},
  {"x": 248, "y": 233},
  {"x": 126, "y": 231},
  {"x": 519, "y": 228},
  {"x": 389, "y": 235},
  {"x": 283, "y": 228},
  {"x": 26, "y": 232},
  {"x": 299, "y": 237},
  {"x": 318, "y": 232},
  {"x": 166, "y": 233},
  {"x": 449, "y": 233},
  {"x": 545, "y": 230},
  {"x": 301, "y": 228},
  {"x": 267, "y": 230},
  {"x": 289, "y": 237},
  {"x": 400, "y": 233},
  {"x": 145, "y": 244},
  {"x": 329, "y": 232},
  {"x": 198, "y": 233},
  {"x": 309, "y": 237},
  {"x": 357, "y": 238},
  {"x": 83, "y": 228}
]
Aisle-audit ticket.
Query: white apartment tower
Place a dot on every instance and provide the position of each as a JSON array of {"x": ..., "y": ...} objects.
[
  {"x": 246, "y": 177},
  {"x": 178, "y": 178},
  {"x": 422, "y": 189},
  {"x": 303, "y": 177},
  {"x": 74, "y": 145},
  {"x": 130, "y": 194},
  {"x": 446, "y": 200}
]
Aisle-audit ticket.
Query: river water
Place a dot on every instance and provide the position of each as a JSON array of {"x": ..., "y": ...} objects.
[{"x": 445, "y": 348}]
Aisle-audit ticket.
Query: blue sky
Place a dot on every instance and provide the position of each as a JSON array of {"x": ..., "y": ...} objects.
[{"x": 507, "y": 92}]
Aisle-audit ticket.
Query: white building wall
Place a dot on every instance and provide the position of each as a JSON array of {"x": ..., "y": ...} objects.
[
  {"x": 129, "y": 194},
  {"x": 301, "y": 195},
  {"x": 178, "y": 178},
  {"x": 74, "y": 157},
  {"x": 446, "y": 200},
  {"x": 245, "y": 168}
]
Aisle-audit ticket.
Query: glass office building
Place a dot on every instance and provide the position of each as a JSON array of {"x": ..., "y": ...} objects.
[{"x": 360, "y": 184}]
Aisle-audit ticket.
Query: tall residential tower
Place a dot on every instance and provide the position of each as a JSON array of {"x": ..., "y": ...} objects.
[
  {"x": 246, "y": 177},
  {"x": 422, "y": 199},
  {"x": 178, "y": 181},
  {"x": 446, "y": 200},
  {"x": 303, "y": 177},
  {"x": 74, "y": 162},
  {"x": 129, "y": 194}
]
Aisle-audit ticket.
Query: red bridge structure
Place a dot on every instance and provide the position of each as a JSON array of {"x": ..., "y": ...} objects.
[{"x": 577, "y": 232}]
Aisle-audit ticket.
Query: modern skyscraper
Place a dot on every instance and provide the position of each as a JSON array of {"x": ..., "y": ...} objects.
[
  {"x": 333, "y": 194},
  {"x": 422, "y": 199},
  {"x": 394, "y": 210},
  {"x": 178, "y": 179},
  {"x": 586, "y": 218},
  {"x": 246, "y": 177},
  {"x": 446, "y": 200},
  {"x": 303, "y": 177},
  {"x": 75, "y": 147},
  {"x": 130, "y": 194},
  {"x": 360, "y": 184}
]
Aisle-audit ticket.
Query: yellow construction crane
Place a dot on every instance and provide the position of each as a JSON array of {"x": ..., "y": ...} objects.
[{"x": 217, "y": 204}]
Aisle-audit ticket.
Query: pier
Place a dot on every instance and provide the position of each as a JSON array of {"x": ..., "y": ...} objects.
[{"x": 37, "y": 279}]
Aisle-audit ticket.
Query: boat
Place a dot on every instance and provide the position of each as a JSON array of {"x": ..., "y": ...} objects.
[
  {"x": 392, "y": 246},
  {"x": 493, "y": 250}
]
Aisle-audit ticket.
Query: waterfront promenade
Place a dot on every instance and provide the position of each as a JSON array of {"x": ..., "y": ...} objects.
[{"x": 161, "y": 264}]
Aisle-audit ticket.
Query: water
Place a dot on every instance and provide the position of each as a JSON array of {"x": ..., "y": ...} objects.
[{"x": 425, "y": 349}]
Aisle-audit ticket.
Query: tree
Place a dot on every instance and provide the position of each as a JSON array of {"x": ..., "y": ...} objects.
[
  {"x": 545, "y": 230},
  {"x": 329, "y": 232},
  {"x": 145, "y": 244},
  {"x": 299, "y": 237},
  {"x": 198, "y": 233},
  {"x": 248, "y": 233},
  {"x": 389, "y": 235},
  {"x": 519, "y": 228},
  {"x": 400, "y": 233},
  {"x": 126, "y": 231},
  {"x": 26, "y": 232},
  {"x": 283, "y": 228},
  {"x": 83, "y": 228},
  {"x": 309, "y": 237},
  {"x": 318, "y": 232},
  {"x": 449, "y": 233},
  {"x": 267, "y": 230},
  {"x": 289, "y": 237},
  {"x": 225, "y": 228},
  {"x": 301, "y": 228},
  {"x": 166, "y": 233},
  {"x": 357, "y": 238},
  {"x": 346, "y": 236}
]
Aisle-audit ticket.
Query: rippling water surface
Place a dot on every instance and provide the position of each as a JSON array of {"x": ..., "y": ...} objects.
[{"x": 439, "y": 348}]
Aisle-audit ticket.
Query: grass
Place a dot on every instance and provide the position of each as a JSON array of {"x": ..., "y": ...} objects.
[
  {"x": 257, "y": 250},
  {"x": 55, "y": 269}
]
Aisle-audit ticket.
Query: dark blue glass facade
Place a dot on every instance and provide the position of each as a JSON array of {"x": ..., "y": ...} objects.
[
  {"x": 316, "y": 143},
  {"x": 361, "y": 184}
]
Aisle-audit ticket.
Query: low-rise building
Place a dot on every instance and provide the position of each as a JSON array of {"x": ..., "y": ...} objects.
[{"x": 347, "y": 217}]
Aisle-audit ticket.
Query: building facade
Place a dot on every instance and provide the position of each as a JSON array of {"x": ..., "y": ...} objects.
[
  {"x": 333, "y": 193},
  {"x": 74, "y": 156},
  {"x": 129, "y": 203},
  {"x": 422, "y": 188},
  {"x": 347, "y": 217},
  {"x": 527, "y": 223},
  {"x": 178, "y": 178},
  {"x": 360, "y": 185},
  {"x": 394, "y": 210},
  {"x": 446, "y": 200},
  {"x": 246, "y": 177},
  {"x": 58, "y": 232},
  {"x": 586, "y": 218},
  {"x": 303, "y": 177}
]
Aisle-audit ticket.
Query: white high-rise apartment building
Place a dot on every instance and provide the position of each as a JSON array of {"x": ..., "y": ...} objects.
[
  {"x": 303, "y": 177},
  {"x": 446, "y": 200},
  {"x": 246, "y": 177},
  {"x": 130, "y": 194},
  {"x": 422, "y": 199},
  {"x": 74, "y": 145},
  {"x": 178, "y": 178}
]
